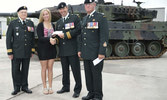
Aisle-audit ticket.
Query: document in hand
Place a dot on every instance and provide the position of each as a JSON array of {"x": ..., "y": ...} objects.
[
  {"x": 57, "y": 32},
  {"x": 96, "y": 61}
]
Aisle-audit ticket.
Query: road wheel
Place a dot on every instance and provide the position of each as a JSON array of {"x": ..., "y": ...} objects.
[
  {"x": 138, "y": 49},
  {"x": 121, "y": 49},
  {"x": 154, "y": 48},
  {"x": 108, "y": 50}
]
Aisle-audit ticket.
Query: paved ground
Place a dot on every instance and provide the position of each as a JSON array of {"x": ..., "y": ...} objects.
[{"x": 130, "y": 79}]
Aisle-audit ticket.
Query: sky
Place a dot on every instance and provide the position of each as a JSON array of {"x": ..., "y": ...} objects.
[{"x": 35, "y": 5}]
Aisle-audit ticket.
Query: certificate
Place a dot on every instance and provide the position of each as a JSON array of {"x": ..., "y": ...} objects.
[
  {"x": 57, "y": 32},
  {"x": 96, "y": 61}
]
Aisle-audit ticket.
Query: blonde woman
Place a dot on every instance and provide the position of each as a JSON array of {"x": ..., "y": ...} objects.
[{"x": 46, "y": 48}]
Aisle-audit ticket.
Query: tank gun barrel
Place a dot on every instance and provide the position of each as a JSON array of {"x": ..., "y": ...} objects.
[
  {"x": 55, "y": 15},
  {"x": 8, "y": 14},
  {"x": 35, "y": 15}
]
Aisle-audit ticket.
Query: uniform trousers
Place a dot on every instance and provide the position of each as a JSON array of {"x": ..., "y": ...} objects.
[
  {"x": 75, "y": 66},
  {"x": 20, "y": 67},
  {"x": 93, "y": 75}
]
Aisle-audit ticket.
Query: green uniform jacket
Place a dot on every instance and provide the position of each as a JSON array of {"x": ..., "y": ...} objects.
[
  {"x": 71, "y": 28},
  {"x": 20, "y": 39},
  {"x": 94, "y": 36}
]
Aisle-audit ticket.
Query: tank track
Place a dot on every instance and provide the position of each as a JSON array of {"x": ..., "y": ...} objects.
[
  {"x": 137, "y": 57},
  {"x": 130, "y": 57}
]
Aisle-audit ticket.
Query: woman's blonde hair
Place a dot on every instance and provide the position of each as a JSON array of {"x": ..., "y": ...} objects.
[{"x": 41, "y": 15}]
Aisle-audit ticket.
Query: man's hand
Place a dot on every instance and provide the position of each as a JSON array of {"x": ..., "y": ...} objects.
[
  {"x": 10, "y": 57},
  {"x": 79, "y": 54},
  {"x": 61, "y": 35},
  {"x": 101, "y": 56},
  {"x": 52, "y": 41}
]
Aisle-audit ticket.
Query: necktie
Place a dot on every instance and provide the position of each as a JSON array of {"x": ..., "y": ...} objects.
[
  {"x": 87, "y": 17},
  {"x": 24, "y": 23},
  {"x": 64, "y": 19}
]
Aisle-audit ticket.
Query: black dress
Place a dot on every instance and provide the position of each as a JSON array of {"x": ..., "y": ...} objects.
[{"x": 45, "y": 50}]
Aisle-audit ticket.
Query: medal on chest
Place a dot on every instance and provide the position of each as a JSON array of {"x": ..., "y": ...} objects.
[
  {"x": 69, "y": 25},
  {"x": 92, "y": 25}
]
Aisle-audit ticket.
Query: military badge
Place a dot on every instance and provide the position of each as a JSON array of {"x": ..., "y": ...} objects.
[
  {"x": 104, "y": 44},
  {"x": 30, "y": 29},
  {"x": 17, "y": 34},
  {"x": 69, "y": 25},
  {"x": 92, "y": 25},
  {"x": 17, "y": 29}
]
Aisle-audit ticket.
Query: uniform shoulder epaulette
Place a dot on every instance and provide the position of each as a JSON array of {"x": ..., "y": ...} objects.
[
  {"x": 28, "y": 20},
  {"x": 13, "y": 21},
  {"x": 73, "y": 14},
  {"x": 102, "y": 14},
  {"x": 77, "y": 15}
]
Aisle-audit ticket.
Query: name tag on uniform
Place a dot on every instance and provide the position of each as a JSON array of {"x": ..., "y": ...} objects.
[
  {"x": 17, "y": 31},
  {"x": 30, "y": 29},
  {"x": 92, "y": 25},
  {"x": 69, "y": 25}
]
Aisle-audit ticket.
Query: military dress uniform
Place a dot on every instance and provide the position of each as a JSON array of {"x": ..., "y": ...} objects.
[
  {"x": 20, "y": 44},
  {"x": 93, "y": 41},
  {"x": 68, "y": 50}
]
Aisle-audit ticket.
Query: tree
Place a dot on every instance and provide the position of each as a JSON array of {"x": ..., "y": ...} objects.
[{"x": 9, "y": 19}]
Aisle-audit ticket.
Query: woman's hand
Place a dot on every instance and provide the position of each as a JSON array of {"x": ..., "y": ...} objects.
[{"x": 52, "y": 41}]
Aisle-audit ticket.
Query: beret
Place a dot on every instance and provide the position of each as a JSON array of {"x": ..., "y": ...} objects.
[
  {"x": 88, "y": 1},
  {"x": 22, "y": 8},
  {"x": 61, "y": 5}
]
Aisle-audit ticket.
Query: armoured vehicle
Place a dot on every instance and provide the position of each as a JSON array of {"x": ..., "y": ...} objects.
[{"x": 132, "y": 33}]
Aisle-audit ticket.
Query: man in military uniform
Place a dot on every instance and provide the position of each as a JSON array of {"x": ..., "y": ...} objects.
[
  {"x": 20, "y": 47},
  {"x": 70, "y": 26},
  {"x": 93, "y": 43}
]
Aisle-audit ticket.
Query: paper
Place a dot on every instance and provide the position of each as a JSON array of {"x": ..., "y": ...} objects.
[
  {"x": 96, "y": 61},
  {"x": 57, "y": 32}
]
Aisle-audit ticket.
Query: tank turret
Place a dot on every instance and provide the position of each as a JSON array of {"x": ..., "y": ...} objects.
[{"x": 126, "y": 13}]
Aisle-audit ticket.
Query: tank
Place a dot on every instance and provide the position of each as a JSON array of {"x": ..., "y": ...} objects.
[{"x": 132, "y": 32}]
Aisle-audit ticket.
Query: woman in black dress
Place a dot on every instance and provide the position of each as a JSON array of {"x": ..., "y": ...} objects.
[{"x": 46, "y": 48}]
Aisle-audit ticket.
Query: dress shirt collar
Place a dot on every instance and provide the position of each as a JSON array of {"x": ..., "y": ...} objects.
[
  {"x": 66, "y": 16},
  {"x": 22, "y": 20},
  {"x": 91, "y": 13}
]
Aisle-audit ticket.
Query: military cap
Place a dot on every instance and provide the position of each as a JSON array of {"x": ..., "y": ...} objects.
[
  {"x": 22, "y": 8},
  {"x": 61, "y": 5},
  {"x": 88, "y": 1}
]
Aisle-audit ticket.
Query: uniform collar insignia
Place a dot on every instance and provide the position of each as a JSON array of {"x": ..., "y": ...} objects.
[{"x": 105, "y": 44}]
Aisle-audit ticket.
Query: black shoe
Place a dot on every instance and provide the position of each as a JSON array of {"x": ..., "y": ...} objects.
[
  {"x": 27, "y": 90},
  {"x": 88, "y": 97},
  {"x": 96, "y": 99},
  {"x": 62, "y": 91},
  {"x": 75, "y": 95},
  {"x": 15, "y": 92}
]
